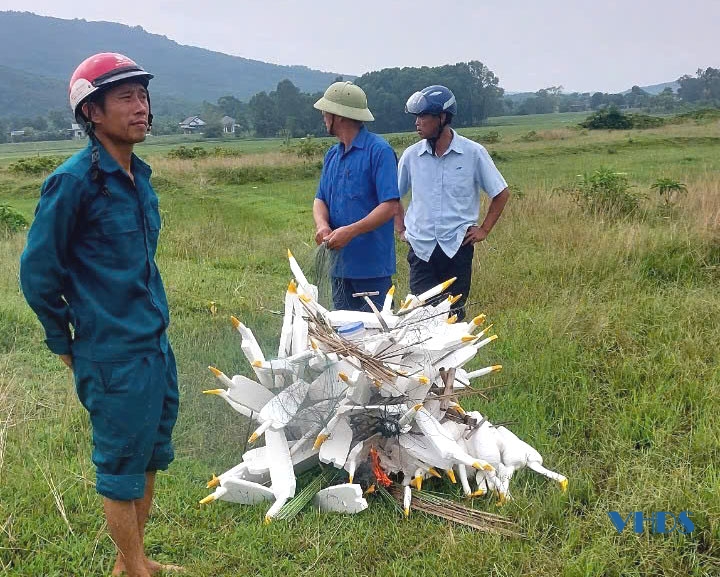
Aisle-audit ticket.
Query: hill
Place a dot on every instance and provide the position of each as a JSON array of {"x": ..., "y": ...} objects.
[
  {"x": 655, "y": 89},
  {"x": 24, "y": 94},
  {"x": 50, "y": 48}
]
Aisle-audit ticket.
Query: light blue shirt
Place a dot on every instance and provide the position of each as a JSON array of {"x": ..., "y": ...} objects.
[{"x": 445, "y": 193}]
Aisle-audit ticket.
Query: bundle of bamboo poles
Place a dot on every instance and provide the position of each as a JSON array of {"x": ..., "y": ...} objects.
[{"x": 450, "y": 510}]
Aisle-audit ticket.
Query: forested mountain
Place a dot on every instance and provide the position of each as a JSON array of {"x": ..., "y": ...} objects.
[
  {"x": 50, "y": 48},
  {"x": 24, "y": 94}
]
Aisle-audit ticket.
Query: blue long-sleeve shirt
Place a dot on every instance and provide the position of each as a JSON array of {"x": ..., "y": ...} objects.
[
  {"x": 90, "y": 262},
  {"x": 352, "y": 184}
]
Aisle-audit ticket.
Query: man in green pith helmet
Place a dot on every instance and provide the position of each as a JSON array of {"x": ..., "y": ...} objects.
[{"x": 356, "y": 199}]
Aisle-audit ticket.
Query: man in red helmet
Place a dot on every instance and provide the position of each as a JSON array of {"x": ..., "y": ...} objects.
[{"x": 89, "y": 263}]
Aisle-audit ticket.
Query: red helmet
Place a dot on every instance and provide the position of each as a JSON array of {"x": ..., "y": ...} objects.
[{"x": 102, "y": 70}]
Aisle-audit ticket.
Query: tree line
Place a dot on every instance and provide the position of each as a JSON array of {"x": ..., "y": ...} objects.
[
  {"x": 288, "y": 112},
  {"x": 701, "y": 90}
]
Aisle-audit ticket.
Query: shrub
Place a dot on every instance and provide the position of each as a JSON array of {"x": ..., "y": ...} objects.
[
  {"x": 226, "y": 152},
  {"x": 36, "y": 165},
  {"x": 668, "y": 189},
  {"x": 612, "y": 119},
  {"x": 491, "y": 137},
  {"x": 499, "y": 156},
  {"x": 185, "y": 152},
  {"x": 264, "y": 174},
  {"x": 608, "y": 118},
  {"x": 11, "y": 220},
  {"x": 403, "y": 141},
  {"x": 645, "y": 121},
  {"x": 700, "y": 116},
  {"x": 604, "y": 193},
  {"x": 531, "y": 136},
  {"x": 309, "y": 148}
]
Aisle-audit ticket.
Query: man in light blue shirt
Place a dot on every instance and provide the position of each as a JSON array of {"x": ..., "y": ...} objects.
[
  {"x": 446, "y": 173},
  {"x": 356, "y": 200}
]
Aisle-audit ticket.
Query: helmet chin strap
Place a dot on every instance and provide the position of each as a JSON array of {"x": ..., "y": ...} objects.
[
  {"x": 438, "y": 133},
  {"x": 96, "y": 173}
]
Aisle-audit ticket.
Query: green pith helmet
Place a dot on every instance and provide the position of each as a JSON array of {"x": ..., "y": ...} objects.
[{"x": 345, "y": 99}]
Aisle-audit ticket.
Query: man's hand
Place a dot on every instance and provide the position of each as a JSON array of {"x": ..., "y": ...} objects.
[
  {"x": 321, "y": 233},
  {"x": 340, "y": 237},
  {"x": 474, "y": 234},
  {"x": 401, "y": 235},
  {"x": 67, "y": 359}
]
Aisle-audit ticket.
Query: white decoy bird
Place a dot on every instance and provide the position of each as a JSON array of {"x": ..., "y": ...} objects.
[
  {"x": 244, "y": 391},
  {"x": 282, "y": 473},
  {"x": 281, "y": 409},
  {"x": 481, "y": 442},
  {"x": 517, "y": 454}
]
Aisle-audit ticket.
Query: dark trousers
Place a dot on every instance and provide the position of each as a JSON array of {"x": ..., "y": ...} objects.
[
  {"x": 440, "y": 267},
  {"x": 343, "y": 289}
]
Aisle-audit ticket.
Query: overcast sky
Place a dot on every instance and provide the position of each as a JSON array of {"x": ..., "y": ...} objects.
[{"x": 602, "y": 45}]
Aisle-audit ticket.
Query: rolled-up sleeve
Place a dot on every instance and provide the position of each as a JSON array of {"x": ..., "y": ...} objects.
[{"x": 44, "y": 262}]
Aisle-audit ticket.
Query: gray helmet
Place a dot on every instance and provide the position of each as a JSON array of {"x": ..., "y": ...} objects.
[{"x": 345, "y": 99}]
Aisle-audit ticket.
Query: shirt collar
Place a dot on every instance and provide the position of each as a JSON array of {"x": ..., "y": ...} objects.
[
  {"x": 455, "y": 145},
  {"x": 359, "y": 140},
  {"x": 109, "y": 165}
]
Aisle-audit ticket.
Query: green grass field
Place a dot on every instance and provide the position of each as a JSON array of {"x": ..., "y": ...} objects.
[{"x": 609, "y": 334}]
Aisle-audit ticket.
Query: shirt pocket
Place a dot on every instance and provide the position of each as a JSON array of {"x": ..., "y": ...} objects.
[
  {"x": 459, "y": 181},
  {"x": 120, "y": 242},
  {"x": 356, "y": 182},
  {"x": 118, "y": 224}
]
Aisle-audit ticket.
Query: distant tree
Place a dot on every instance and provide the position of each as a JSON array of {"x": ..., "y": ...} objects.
[
  {"x": 165, "y": 125},
  {"x": 546, "y": 100},
  {"x": 60, "y": 119},
  {"x": 597, "y": 100},
  {"x": 691, "y": 89},
  {"x": 574, "y": 101},
  {"x": 264, "y": 115},
  {"x": 39, "y": 123},
  {"x": 210, "y": 112},
  {"x": 288, "y": 102},
  {"x": 213, "y": 129},
  {"x": 637, "y": 97},
  {"x": 704, "y": 87},
  {"x": 232, "y": 107},
  {"x": 666, "y": 100},
  {"x": 529, "y": 106},
  {"x": 475, "y": 87}
]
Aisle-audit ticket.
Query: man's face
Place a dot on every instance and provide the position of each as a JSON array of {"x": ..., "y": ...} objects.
[
  {"x": 328, "y": 120},
  {"x": 427, "y": 125},
  {"x": 124, "y": 118}
]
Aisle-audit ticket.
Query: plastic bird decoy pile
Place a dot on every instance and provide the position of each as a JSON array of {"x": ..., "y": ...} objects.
[{"x": 373, "y": 393}]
